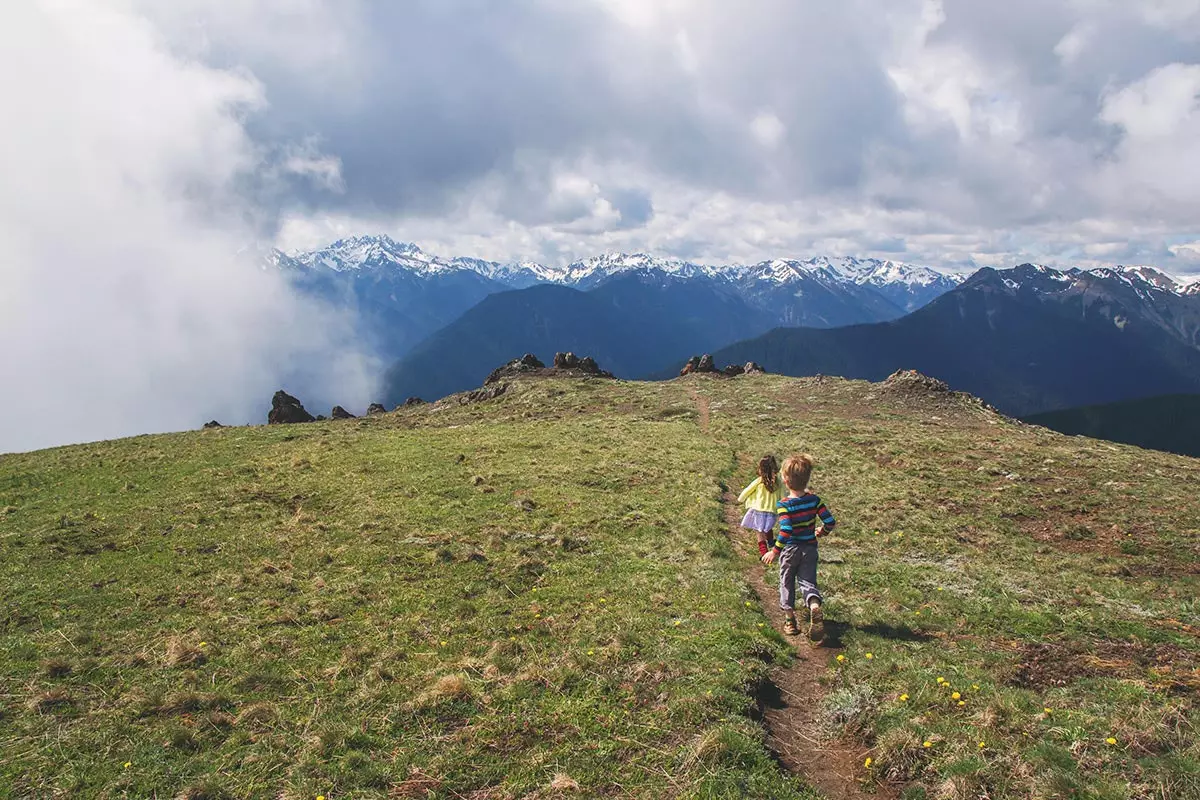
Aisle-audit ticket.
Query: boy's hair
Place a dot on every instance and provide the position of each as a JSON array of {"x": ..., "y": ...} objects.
[
  {"x": 768, "y": 470},
  {"x": 797, "y": 470}
]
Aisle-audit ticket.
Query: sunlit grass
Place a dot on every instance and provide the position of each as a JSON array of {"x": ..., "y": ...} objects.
[{"x": 536, "y": 594}]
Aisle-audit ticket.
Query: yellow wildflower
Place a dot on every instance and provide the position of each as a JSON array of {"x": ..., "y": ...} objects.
[
  {"x": 982, "y": 745},
  {"x": 975, "y": 686},
  {"x": 128, "y": 764},
  {"x": 870, "y": 656},
  {"x": 204, "y": 644},
  {"x": 962, "y": 703},
  {"x": 903, "y": 698},
  {"x": 1111, "y": 740},
  {"x": 867, "y": 763},
  {"x": 677, "y": 622},
  {"x": 956, "y": 696},
  {"x": 443, "y": 642},
  {"x": 941, "y": 679},
  {"x": 926, "y": 743},
  {"x": 591, "y": 652},
  {"x": 841, "y": 657}
]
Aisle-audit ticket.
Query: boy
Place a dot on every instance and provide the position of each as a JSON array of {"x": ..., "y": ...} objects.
[{"x": 796, "y": 545}]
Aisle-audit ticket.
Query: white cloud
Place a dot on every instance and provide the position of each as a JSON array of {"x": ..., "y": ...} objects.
[
  {"x": 767, "y": 129},
  {"x": 127, "y": 308}
]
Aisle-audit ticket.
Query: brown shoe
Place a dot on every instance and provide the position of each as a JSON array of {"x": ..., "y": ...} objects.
[
  {"x": 789, "y": 626},
  {"x": 816, "y": 626}
]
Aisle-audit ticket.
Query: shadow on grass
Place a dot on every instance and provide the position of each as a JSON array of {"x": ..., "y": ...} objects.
[{"x": 834, "y": 631}]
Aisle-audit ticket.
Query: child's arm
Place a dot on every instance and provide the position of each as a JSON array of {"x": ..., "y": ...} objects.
[
  {"x": 749, "y": 490},
  {"x": 827, "y": 520}
]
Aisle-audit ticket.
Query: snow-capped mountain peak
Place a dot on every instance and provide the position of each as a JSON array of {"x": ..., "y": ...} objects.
[
  {"x": 592, "y": 270},
  {"x": 370, "y": 252}
]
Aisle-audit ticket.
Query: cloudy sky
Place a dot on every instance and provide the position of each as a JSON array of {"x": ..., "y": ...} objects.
[
  {"x": 147, "y": 146},
  {"x": 948, "y": 132}
]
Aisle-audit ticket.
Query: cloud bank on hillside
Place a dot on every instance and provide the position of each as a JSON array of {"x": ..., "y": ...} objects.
[
  {"x": 947, "y": 132},
  {"x": 130, "y": 186}
]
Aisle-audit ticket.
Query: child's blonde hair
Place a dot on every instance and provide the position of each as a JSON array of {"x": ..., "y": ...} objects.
[
  {"x": 797, "y": 470},
  {"x": 768, "y": 470}
]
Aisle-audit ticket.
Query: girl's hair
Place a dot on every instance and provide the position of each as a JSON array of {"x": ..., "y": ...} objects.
[{"x": 768, "y": 470}]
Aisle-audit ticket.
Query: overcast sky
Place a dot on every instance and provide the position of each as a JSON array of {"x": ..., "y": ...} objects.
[
  {"x": 949, "y": 132},
  {"x": 147, "y": 144}
]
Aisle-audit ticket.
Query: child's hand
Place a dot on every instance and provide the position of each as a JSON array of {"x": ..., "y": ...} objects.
[{"x": 769, "y": 556}]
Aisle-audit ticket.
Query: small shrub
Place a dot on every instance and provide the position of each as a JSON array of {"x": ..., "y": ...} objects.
[
  {"x": 448, "y": 688},
  {"x": 850, "y": 710},
  {"x": 1079, "y": 533},
  {"x": 183, "y": 654},
  {"x": 49, "y": 701},
  {"x": 899, "y": 755},
  {"x": 56, "y": 668}
]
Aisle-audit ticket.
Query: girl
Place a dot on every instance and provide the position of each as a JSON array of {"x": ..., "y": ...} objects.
[{"x": 761, "y": 498}]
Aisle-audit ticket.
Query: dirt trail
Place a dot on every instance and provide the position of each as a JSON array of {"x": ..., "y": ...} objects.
[{"x": 791, "y": 703}]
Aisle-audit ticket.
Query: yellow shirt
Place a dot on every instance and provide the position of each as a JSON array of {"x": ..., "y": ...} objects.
[{"x": 758, "y": 498}]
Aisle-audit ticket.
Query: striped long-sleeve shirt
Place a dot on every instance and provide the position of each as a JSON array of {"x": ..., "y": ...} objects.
[{"x": 798, "y": 520}]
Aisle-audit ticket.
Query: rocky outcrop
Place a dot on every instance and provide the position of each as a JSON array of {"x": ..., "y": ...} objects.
[
  {"x": 733, "y": 370},
  {"x": 525, "y": 364},
  {"x": 579, "y": 366},
  {"x": 212, "y": 424},
  {"x": 910, "y": 386},
  {"x": 489, "y": 392},
  {"x": 696, "y": 364},
  {"x": 753, "y": 368},
  {"x": 911, "y": 382},
  {"x": 413, "y": 401},
  {"x": 375, "y": 408},
  {"x": 286, "y": 410},
  {"x": 340, "y": 413}
]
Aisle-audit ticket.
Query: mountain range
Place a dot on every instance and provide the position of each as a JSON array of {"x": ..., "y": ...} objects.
[
  {"x": 399, "y": 294},
  {"x": 1028, "y": 339}
]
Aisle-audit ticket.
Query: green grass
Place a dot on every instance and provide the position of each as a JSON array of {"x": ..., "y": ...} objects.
[
  {"x": 536, "y": 593},
  {"x": 961, "y": 555},
  {"x": 489, "y": 597}
]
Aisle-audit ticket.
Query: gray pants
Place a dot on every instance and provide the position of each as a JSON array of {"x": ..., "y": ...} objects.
[{"x": 798, "y": 563}]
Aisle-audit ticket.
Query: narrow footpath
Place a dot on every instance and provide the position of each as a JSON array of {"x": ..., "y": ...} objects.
[{"x": 791, "y": 704}]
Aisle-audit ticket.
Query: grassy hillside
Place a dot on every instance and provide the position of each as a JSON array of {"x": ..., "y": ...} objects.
[
  {"x": 1170, "y": 423},
  {"x": 537, "y": 596}
]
